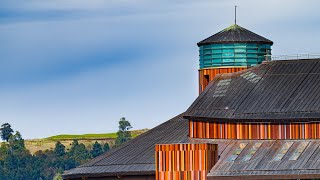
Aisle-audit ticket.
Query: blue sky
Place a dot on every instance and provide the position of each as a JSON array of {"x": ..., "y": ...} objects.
[{"x": 75, "y": 66}]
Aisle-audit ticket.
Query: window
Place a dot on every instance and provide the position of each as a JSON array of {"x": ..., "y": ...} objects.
[
  {"x": 299, "y": 150},
  {"x": 251, "y": 76},
  {"x": 233, "y": 54},
  {"x": 222, "y": 88},
  {"x": 216, "y": 56},
  {"x": 207, "y": 57},
  {"x": 228, "y": 55},
  {"x": 206, "y": 80},
  {"x": 252, "y": 151},
  {"x": 207, "y": 51},
  {"x": 216, "y": 51},
  {"x": 286, "y": 146},
  {"x": 228, "y": 50},
  {"x": 237, "y": 152},
  {"x": 240, "y": 50},
  {"x": 240, "y": 55}
]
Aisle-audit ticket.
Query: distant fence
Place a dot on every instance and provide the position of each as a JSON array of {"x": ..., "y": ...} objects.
[{"x": 292, "y": 56}]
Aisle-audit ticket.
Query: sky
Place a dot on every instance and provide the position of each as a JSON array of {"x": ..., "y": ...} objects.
[{"x": 76, "y": 66}]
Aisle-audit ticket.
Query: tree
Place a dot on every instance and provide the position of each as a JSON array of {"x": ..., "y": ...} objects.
[
  {"x": 96, "y": 149},
  {"x": 106, "y": 147},
  {"x": 58, "y": 176},
  {"x": 74, "y": 144},
  {"x": 59, "y": 149},
  {"x": 3, "y": 151},
  {"x": 79, "y": 153},
  {"x": 16, "y": 144},
  {"x": 16, "y": 162},
  {"x": 6, "y": 131},
  {"x": 123, "y": 134}
]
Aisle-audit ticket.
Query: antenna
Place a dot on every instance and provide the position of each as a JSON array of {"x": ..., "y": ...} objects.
[{"x": 235, "y": 14}]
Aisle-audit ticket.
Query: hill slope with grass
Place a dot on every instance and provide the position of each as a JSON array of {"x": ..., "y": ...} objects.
[{"x": 34, "y": 145}]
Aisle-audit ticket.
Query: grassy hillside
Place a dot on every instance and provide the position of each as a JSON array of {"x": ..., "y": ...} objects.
[
  {"x": 134, "y": 133},
  {"x": 66, "y": 139},
  {"x": 83, "y": 136}
]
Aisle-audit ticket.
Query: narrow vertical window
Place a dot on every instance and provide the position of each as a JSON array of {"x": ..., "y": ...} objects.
[{"x": 206, "y": 81}]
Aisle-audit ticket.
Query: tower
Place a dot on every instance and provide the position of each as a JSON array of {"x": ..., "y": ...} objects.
[{"x": 230, "y": 50}]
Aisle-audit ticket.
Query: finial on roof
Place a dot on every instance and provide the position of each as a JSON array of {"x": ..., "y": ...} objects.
[{"x": 235, "y": 14}]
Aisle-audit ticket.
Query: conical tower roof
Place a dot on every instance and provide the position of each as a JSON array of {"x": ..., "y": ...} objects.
[{"x": 235, "y": 34}]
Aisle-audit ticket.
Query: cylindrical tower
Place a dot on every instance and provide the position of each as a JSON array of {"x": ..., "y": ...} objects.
[{"x": 230, "y": 50}]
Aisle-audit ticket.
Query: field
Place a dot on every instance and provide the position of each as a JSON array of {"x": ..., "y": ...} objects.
[{"x": 66, "y": 139}]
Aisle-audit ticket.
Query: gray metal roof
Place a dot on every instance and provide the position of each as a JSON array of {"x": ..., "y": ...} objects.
[
  {"x": 135, "y": 157},
  {"x": 235, "y": 34},
  {"x": 262, "y": 164},
  {"x": 275, "y": 91}
]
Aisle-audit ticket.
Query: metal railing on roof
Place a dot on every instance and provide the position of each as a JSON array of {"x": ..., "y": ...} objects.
[{"x": 291, "y": 57}]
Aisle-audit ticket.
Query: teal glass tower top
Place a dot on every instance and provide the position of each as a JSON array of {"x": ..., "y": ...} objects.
[{"x": 234, "y": 46}]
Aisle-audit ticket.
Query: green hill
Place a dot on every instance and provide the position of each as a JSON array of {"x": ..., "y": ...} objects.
[
  {"x": 134, "y": 133},
  {"x": 66, "y": 139}
]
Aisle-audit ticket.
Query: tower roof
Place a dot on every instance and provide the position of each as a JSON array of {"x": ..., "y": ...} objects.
[{"x": 235, "y": 34}]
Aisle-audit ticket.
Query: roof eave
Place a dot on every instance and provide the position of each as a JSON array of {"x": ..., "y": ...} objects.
[
  {"x": 252, "y": 120},
  {"x": 109, "y": 174},
  {"x": 232, "y": 42},
  {"x": 296, "y": 175}
]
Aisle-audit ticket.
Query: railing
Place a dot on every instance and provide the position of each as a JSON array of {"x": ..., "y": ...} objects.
[{"x": 292, "y": 57}]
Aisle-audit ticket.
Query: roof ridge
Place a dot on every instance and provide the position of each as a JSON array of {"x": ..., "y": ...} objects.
[
  {"x": 291, "y": 60},
  {"x": 232, "y": 27}
]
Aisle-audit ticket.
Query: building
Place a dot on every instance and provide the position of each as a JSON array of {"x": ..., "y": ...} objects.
[{"x": 254, "y": 119}]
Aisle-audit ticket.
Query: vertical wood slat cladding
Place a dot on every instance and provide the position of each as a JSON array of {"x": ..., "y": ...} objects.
[
  {"x": 198, "y": 129},
  {"x": 212, "y": 72},
  {"x": 184, "y": 161}
]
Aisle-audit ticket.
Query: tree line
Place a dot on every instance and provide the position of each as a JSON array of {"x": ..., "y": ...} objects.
[{"x": 16, "y": 162}]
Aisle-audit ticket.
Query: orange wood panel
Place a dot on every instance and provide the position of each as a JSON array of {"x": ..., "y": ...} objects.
[
  {"x": 207, "y": 75},
  {"x": 254, "y": 130},
  {"x": 184, "y": 161}
]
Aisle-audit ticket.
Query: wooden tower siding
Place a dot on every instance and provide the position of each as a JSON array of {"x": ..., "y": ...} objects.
[
  {"x": 184, "y": 161},
  {"x": 213, "y": 130},
  {"x": 207, "y": 75}
]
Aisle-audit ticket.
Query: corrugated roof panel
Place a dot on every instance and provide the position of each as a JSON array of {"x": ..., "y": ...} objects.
[
  {"x": 262, "y": 163},
  {"x": 137, "y": 155}
]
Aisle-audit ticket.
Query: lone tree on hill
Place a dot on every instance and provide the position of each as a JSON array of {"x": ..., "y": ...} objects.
[
  {"x": 6, "y": 131},
  {"x": 96, "y": 149},
  {"x": 123, "y": 134}
]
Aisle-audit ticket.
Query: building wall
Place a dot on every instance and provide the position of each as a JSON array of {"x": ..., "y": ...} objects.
[
  {"x": 185, "y": 161},
  {"x": 207, "y": 75},
  {"x": 215, "y": 130}
]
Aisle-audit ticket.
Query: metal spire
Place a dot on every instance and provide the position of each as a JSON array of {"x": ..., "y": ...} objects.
[{"x": 235, "y": 14}]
